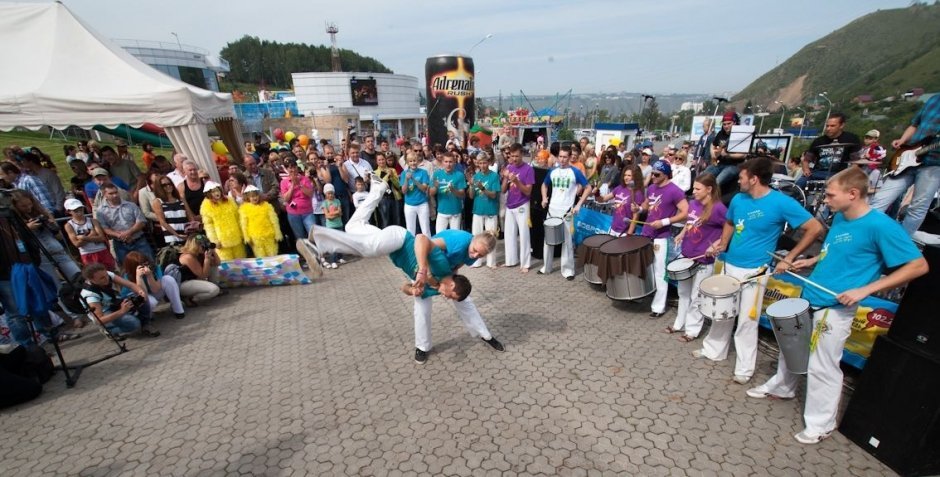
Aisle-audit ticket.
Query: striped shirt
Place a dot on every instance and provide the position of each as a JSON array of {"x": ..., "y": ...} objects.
[{"x": 175, "y": 215}]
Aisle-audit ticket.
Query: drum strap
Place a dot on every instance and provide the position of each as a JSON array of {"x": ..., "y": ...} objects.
[{"x": 820, "y": 328}]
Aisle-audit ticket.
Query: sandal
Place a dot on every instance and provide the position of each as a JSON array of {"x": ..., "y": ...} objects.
[
  {"x": 687, "y": 338},
  {"x": 670, "y": 330}
]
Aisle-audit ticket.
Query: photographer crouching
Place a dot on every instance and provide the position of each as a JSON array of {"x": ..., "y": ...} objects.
[
  {"x": 121, "y": 315},
  {"x": 199, "y": 270}
]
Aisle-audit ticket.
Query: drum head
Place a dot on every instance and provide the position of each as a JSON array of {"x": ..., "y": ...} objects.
[
  {"x": 782, "y": 178},
  {"x": 719, "y": 285},
  {"x": 680, "y": 264},
  {"x": 788, "y": 307},
  {"x": 553, "y": 222},
  {"x": 626, "y": 244}
]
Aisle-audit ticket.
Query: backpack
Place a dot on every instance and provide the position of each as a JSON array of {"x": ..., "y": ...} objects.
[
  {"x": 168, "y": 255},
  {"x": 70, "y": 293}
]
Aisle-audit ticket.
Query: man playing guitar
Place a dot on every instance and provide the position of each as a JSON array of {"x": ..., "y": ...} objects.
[
  {"x": 725, "y": 164},
  {"x": 925, "y": 178}
]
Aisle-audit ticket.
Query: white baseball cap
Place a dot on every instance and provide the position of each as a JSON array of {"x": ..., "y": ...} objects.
[{"x": 72, "y": 204}]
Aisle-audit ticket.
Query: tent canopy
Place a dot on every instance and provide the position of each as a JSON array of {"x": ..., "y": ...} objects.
[{"x": 61, "y": 73}]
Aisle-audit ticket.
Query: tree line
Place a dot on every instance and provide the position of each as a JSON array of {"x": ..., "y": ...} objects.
[{"x": 256, "y": 61}]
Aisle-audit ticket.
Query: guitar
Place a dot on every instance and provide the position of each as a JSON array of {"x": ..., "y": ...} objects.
[{"x": 909, "y": 156}]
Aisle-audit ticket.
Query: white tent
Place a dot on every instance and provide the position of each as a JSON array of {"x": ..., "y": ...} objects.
[{"x": 59, "y": 72}]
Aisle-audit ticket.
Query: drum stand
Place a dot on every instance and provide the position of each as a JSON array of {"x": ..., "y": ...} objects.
[{"x": 72, "y": 372}]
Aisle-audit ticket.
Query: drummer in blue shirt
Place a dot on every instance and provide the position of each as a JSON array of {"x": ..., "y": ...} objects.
[
  {"x": 754, "y": 223},
  {"x": 861, "y": 244}
]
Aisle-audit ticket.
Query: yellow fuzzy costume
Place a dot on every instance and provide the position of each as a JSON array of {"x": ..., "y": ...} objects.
[
  {"x": 221, "y": 223},
  {"x": 260, "y": 228}
]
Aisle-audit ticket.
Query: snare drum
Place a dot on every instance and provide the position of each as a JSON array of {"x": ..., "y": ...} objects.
[
  {"x": 554, "y": 231},
  {"x": 792, "y": 323},
  {"x": 589, "y": 256},
  {"x": 721, "y": 297},
  {"x": 626, "y": 266},
  {"x": 682, "y": 269}
]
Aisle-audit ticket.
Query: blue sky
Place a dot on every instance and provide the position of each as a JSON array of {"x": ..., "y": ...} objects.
[{"x": 667, "y": 46}]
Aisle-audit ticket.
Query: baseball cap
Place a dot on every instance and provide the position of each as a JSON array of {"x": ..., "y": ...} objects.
[
  {"x": 72, "y": 204},
  {"x": 329, "y": 188},
  {"x": 100, "y": 171},
  {"x": 648, "y": 152},
  {"x": 664, "y": 167},
  {"x": 873, "y": 133}
]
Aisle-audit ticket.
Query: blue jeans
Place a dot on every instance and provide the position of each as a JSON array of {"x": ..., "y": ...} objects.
[
  {"x": 126, "y": 324},
  {"x": 19, "y": 330},
  {"x": 926, "y": 181},
  {"x": 121, "y": 249},
  {"x": 300, "y": 225},
  {"x": 319, "y": 219},
  {"x": 723, "y": 173}
]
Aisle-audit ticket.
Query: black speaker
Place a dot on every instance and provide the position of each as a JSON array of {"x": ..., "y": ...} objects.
[
  {"x": 894, "y": 413},
  {"x": 915, "y": 323}
]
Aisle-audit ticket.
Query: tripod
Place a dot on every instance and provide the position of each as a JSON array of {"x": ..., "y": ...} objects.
[{"x": 21, "y": 232}]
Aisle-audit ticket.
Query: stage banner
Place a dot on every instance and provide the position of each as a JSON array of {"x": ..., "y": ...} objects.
[
  {"x": 589, "y": 222},
  {"x": 450, "y": 94}
]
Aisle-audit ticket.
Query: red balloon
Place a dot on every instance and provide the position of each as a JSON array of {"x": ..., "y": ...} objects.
[{"x": 279, "y": 134}]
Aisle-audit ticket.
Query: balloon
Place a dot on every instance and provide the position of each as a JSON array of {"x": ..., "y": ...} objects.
[
  {"x": 279, "y": 134},
  {"x": 274, "y": 146},
  {"x": 218, "y": 147},
  {"x": 615, "y": 141},
  {"x": 303, "y": 139},
  {"x": 289, "y": 136}
]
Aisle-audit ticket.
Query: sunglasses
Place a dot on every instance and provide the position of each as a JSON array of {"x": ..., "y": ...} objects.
[
  {"x": 166, "y": 184},
  {"x": 657, "y": 174}
]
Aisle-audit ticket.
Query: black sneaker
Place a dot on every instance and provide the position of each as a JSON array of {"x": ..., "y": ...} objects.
[
  {"x": 179, "y": 316},
  {"x": 421, "y": 357},
  {"x": 494, "y": 343},
  {"x": 309, "y": 251},
  {"x": 149, "y": 331}
]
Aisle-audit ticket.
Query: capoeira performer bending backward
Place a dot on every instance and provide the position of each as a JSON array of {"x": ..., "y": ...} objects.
[
  {"x": 421, "y": 258},
  {"x": 860, "y": 245}
]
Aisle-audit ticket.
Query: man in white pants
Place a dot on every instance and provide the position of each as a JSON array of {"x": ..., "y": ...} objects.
[
  {"x": 565, "y": 182},
  {"x": 665, "y": 204},
  {"x": 755, "y": 220},
  {"x": 517, "y": 182},
  {"x": 422, "y": 260},
  {"x": 860, "y": 245}
]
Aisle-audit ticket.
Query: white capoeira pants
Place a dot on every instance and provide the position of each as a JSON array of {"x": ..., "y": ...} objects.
[
  {"x": 516, "y": 237},
  {"x": 447, "y": 221},
  {"x": 718, "y": 341},
  {"x": 415, "y": 214},
  {"x": 361, "y": 238},
  {"x": 831, "y": 327},
  {"x": 567, "y": 252},
  {"x": 486, "y": 223},
  {"x": 660, "y": 252},
  {"x": 466, "y": 311},
  {"x": 689, "y": 317}
]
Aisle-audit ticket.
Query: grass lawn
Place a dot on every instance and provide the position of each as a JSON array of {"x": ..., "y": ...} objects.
[{"x": 53, "y": 147}]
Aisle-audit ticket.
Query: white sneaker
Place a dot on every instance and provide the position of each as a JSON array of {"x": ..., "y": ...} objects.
[
  {"x": 334, "y": 265},
  {"x": 741, "y": 379},
  {"x": 309, "y": 252},
  {"x": 697, "y": 354},
  {"x": 757, "y": 393},
  {"x": 342, "y": 261},
  {"x": 806, "y": 438}
]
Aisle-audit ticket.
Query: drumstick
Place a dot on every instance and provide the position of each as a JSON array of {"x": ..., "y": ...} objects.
[
  {"x": 698, "y": 257},
  {"x": 801, "y": 277}
]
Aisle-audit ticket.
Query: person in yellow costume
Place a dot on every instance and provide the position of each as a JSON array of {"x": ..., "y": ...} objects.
[
  {"x": 259, "y": 223},
  {"x": 220, "y": 219}
]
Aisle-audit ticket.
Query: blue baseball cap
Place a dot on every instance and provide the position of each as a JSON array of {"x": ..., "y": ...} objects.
[{"x": 664, "y": 167}]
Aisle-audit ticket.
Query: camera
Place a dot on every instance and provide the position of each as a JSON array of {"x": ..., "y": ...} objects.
[
  {"x": 137, "y": 301},
  {"x": 204, "y": 242}
]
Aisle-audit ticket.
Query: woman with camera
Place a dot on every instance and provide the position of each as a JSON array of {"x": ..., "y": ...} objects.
[
  {"x": 199, "y": 267},
  {"x": 139, "y": 269},
  {"x": 41, "y": 223}
]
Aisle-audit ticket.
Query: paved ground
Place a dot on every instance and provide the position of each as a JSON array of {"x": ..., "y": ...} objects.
[{"x": 319, "y": 380}]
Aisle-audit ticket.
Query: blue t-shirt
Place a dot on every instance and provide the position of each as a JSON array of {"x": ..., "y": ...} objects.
[
  {"x": 447, "y": 201},
  {"x": 855, "y": 252},
  {"x": 483, "y": 205},
  {"x": 458, "y": 247},
  {"x": 406, "y": 261},
  {"x": 413, "y": 194},
  {"x": 758, "y": 224}
]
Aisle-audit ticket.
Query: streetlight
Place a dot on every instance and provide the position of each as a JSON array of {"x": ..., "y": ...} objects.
[
  {"x": 782, "y": 114},
  {"x": 180, "y": 45},
  {"x": 802, "y": 121},
  {"x": 581, "y": 119},
  {"x": 594, "y": 124},
  {"x": 823, "y": 96},
  {"x": 487, "y": 37},
  {"x": 718, "y": 101}
]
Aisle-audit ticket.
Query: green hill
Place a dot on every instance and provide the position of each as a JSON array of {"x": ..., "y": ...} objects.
[
  {"x": 257, "y": 61},
  {"x": 884, "y": 53}
]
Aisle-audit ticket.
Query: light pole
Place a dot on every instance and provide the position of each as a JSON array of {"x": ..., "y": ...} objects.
[
  {"x": 487, "y": 37},
  {"x": 782, "y": 114},
  {"x": 823, "y": 96},
  {"x": 180, "y": 45},
  {"x": 594, "y": 123},
  {"x": 802, "y": 121},
  {"x": 718, "y": 101},
  {"x": 581, "y": 118}
]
